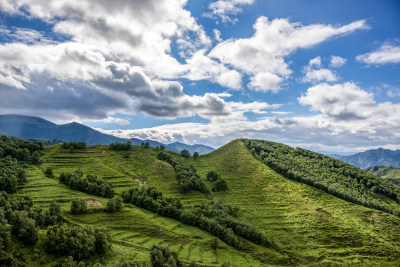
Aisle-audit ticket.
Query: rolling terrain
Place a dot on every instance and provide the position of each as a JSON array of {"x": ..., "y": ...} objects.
[{"x": 305, "y": 225}]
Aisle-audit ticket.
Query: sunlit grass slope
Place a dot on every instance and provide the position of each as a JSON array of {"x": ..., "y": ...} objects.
[{"x": 307, "y": 226}]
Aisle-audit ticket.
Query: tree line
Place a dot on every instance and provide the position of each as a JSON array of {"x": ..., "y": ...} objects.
[
  {"x": 187, "y": 176},
  {"x": 331, "y": 175},
  {"x": 218, "y": 222},
  {"x": 90, "y": 184}
]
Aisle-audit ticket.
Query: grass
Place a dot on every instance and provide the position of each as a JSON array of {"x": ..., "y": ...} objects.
[{"x": 307, "y": 225}]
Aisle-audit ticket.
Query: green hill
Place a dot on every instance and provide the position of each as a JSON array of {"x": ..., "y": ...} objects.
[{"x": 305, "y": 225}]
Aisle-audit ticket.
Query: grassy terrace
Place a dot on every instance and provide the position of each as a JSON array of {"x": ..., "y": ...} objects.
[{"x": 307, "y": 225}]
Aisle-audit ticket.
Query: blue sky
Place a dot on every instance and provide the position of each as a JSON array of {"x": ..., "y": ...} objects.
[{"x": 322, "y": 75}]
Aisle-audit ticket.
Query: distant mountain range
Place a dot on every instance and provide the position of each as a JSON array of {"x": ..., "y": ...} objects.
[
  {"x": 373, "y": 157},
  {"x": 29, "y": 127}
]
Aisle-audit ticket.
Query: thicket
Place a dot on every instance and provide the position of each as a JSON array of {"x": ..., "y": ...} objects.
[
  {"x": 333, "y": 176},
  {"x": 80, "y": 242},
  {"x": 187, "y": 175},
  {"x": 90, "y": 184},
  {"x": 163, "y": 256},
  {"x": 20, "y": 149},
  {"x": 213, "y": 217},
  {"x": 19, "y": 217},
  {"x": 126, "y": 146},
  {"x": 11, "y": 175}
]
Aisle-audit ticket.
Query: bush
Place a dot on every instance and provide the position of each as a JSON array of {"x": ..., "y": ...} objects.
[
  {"x": 78, "y": 206},
  {"x": 212, "y": 176},
  {"x": 219, "y": 185},
  {"x": 114, "y": 204},
  {"x": 49, "y": 172}
]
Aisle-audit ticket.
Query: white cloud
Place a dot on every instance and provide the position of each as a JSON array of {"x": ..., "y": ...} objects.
[
  {"x": 386, "y": 54},
  {"x": 265, "y": 82},
  {"x": 337, "y": 61},
  {"x": 319, "y": 75},
  {"x": 272, "y": 41},
  {"x": 315, "y": 62},
  {"x": 224, "y": 9},
  {"x": 315, "y": 74},
  {"x": 217, "y": 35},
  {"x": 340, "y": 101}
]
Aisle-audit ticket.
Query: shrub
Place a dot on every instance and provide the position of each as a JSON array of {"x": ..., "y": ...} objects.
[
  {"x": 114, "y": 204},
  {"x": 78, "y": 206}
]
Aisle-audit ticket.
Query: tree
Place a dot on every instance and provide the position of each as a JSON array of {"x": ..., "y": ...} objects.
[
  {"x": 195, "y": 155},
  {"x": 114, "y": 204},
  {"x": 49, "y": 172},
  {"x": 78, "y": 206},
  {"x": 162, "y": 147},
  {"x": 212, "y": 176},
  {"x": 214, "y": 243},
  {"x": 185, "y": 153},
  {"x": 35, "y": 158}
]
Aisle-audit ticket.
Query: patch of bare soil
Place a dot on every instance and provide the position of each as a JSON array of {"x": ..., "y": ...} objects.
[
  {"x": 145, "y": 183},
  {"x": 93, "y": 202}
]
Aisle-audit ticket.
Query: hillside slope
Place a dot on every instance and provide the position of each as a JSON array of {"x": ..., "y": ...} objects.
[
  {"x": 305, "y": 224},
  {"x": 373, "y": 157}
]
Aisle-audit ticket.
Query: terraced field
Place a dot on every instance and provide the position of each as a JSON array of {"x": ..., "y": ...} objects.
[{"x": 306, "y": 225}]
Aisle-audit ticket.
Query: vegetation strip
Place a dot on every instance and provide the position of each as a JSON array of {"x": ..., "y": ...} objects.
[
  {"x": 333, "y": 176},
  {"x": 187, "y": 176},
  {"x": 214, "y": 218}
]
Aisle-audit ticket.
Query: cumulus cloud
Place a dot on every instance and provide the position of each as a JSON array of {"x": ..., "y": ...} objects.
[
  {"x": 337, "y": 61},
  {"x": 386, "y": 54},
  {"x": 340, "y": 101},
  {"x": 272, "y": 42},
  {"x": 226, "y": 9},
  {"x": 314, "y": 73}
]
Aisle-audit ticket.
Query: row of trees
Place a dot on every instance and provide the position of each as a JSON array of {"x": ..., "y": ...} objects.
[
  {"x": 90, "y": 184},
  {"x": 187, "y": 175},
  {"x": 79, "y": 242},
  {"x": 127, "y": 146},
  {"x": 333, "y": 176},
  {"x": 74, "y": 145},
  {"x": 219, "y": 221}
]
